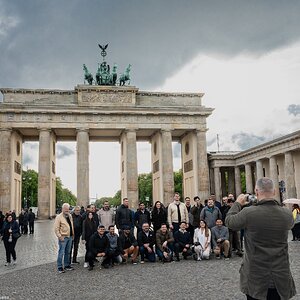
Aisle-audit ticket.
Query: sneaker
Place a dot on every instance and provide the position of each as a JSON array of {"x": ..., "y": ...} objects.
[
  {"x": 86, "y": 264},
  {"x": 218, "y": 257},
  {"x": 14, "y": 262},
  {"x": 7, "y": 264},
  {"x": 199, "y": 258},
  {"x": 142, "y": 261},
  {"x": 69, "y": 268},
  {"x": 226, "y": 258},
  {"x": 60, "y": 270},
  {"x": 134, "y": 262}
]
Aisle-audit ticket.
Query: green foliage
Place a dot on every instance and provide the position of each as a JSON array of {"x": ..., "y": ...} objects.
[
  {"x": 178, "y": 177},
  {"x": 29, "y": 188},
  {"x": 145, "y": 188},
  {"x": 64, "y": 195},
  {"x": 113, "y": 201}
]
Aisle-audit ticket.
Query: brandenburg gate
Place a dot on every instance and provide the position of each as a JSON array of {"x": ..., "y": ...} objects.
[{"x": 102, "y": 113}]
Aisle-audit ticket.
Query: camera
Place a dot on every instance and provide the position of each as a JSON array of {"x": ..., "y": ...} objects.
[{"x": 251, "y": 199}]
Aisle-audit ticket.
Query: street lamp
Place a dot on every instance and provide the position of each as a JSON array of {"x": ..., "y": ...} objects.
[{"x": 25, "y": 182}]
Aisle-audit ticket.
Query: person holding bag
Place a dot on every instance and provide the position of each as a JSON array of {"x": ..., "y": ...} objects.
[{"x": 10, "y": 233}]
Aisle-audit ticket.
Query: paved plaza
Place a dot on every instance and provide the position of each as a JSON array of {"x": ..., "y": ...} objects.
[{"x": 35, "y": 275}]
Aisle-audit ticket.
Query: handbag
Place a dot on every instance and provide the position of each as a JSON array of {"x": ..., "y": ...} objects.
[{"x": 16, "y": 235}]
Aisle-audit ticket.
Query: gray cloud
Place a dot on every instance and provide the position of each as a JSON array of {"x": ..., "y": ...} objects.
[
  {"x": 63, "y": 151},
  {"x": 294, "y": 109},
  {"x": 211, "y": 141},
  {"x": 29, "y": 153},
  {"x": 45, "y": 43},
  {"x": 247, "y": 140}
]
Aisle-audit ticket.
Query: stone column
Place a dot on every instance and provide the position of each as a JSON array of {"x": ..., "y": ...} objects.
[
  {"x": 44, "y": 184},
  {"x": 289, "y": 172},
  {"x": 237, "y": 179},
  {"x": 167, "y": 166},
  {"x": 5, "y": 169},
  {"x": 217, "y": 183},
  {"x": 274, "y": 176},
  {"x": 223, "y": 183},
  {"x": 129, "y": 171},
  {"x": 231, "y": 180},
  {"x": 203, "y": 171},
  {"x": 83, "y": 194},
  {"x": 259, "y": 169},
  {"x": 249, "y": 182},
  {"x": 132, "y": 170}
]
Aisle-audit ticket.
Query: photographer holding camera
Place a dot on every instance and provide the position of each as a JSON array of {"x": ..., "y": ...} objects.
[{"x": 265, "y": 271}]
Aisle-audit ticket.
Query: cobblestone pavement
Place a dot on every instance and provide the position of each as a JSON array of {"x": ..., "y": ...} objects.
[{"x": 35, "y": 276}]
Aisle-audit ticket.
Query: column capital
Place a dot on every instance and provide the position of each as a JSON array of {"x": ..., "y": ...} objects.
[
  {"x": 44, "y": 129},
  {"x": 82, "y": 129},
  {"x": 201, "y": 130},
  {"x": 166, "y": 130},
  {"x": 6, "y": 129}
]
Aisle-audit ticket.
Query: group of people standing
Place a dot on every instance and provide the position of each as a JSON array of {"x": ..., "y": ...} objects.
[{"x": 165, "y": 232}]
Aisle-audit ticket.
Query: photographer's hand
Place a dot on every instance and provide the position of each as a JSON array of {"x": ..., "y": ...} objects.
[{"x": 241, "y": 199}]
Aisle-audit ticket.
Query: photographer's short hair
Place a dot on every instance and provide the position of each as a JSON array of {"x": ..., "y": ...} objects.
[{"x": 265, "y": 185}]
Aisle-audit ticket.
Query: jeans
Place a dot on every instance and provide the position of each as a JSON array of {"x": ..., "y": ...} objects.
[
  {"x": 64, "y": 252},
  {"x": 10, "y": 250},
  {"x": 160, "y": 254},
  {"x": 144, "y": 253}
]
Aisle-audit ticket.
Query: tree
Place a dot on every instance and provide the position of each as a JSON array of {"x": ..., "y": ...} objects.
[
  {"x": 64, "y": 195},
  {"x": 145, "y": 188},
  {"x": 178, "y": 177},
  {"x": 29, "y": 193}
]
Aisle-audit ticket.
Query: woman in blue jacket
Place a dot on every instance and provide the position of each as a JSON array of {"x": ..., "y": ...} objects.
[{"x": 9, "y": 231}]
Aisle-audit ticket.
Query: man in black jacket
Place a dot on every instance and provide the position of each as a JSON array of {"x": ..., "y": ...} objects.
[
  {"x": 141, "y": 216},
  {"x": 77, "y": 223},
  {"x": 129, "y": 245},
  {"x": 183, "y": 242},
  {"x": 31, "y": 218},
  {"x": 124, "y": 215},
  {"x": 98, "y": 247},
  {"x": 146, "y": 241}
]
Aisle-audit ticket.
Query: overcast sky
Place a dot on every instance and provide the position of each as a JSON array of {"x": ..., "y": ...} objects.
[{"x": 244, "y": 55}]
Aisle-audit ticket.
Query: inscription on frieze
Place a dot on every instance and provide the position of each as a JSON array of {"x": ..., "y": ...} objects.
[{"x": 105, "y": 98}]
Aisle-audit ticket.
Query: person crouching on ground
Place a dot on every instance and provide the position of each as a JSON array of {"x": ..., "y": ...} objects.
[
  {"x": 202, "y": 237},
  {"x": 129, "y": 245},
  {"x": 146, "y": 241},
  {"x": 99, "y": 247}
]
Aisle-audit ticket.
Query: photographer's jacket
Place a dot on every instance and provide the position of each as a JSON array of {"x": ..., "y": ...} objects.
[{"x": 266, "y": 260}]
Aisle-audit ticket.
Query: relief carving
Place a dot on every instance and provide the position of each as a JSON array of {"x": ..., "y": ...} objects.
[{"x": 106, "y": 98}]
